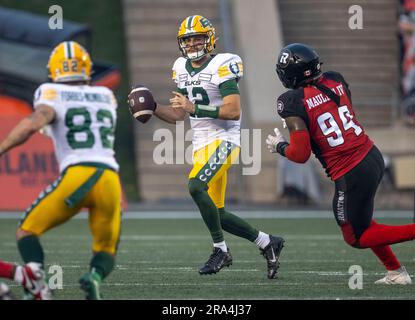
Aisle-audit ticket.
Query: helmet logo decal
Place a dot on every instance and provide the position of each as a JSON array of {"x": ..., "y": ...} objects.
[
  {"x": 284, "y": 58},
  {"x": 205, "y": 22},
  {"x": 280, "y": 106}
]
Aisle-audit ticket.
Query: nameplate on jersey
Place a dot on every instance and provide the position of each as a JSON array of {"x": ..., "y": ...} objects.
[
  {"x": 321, "y": 98},
  {"x": 83, "y": 96}
]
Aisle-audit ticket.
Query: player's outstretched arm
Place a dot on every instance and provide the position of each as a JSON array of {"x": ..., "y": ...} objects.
[
  {"x": 42, "y": 116},
  {"x": 299, "y": 148},
  {"x": 169, "y": 114}
]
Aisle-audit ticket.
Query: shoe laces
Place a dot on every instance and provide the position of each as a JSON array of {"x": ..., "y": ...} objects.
[{"x": 214, "y": 257}]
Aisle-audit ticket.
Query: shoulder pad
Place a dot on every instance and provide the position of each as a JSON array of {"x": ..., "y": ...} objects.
[
  {"x": 47, "y": 91},
  {"x": 229, "y": 65},
  {"x": 290, "y": 103}
]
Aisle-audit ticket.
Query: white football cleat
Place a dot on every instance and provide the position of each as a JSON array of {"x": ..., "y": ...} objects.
[
  {"x": 398, "y": 276},
  {"x": 32, "y": 277}
]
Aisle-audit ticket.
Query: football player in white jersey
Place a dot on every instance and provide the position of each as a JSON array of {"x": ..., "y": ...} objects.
[
  {"x": 208, "y": 92},
  {"x": 81, "y": 121}
]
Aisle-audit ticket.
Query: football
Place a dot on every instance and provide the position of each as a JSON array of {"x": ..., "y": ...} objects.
[{"x": 141, "y": 103}]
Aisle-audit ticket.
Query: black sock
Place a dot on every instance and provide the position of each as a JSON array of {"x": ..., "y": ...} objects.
[
  {"x": 30, "y": 249},
  {"x": 102, "y": 263}
]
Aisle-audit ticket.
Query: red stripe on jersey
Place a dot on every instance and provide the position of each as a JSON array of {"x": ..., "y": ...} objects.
[{"x": 337, "y": 137}]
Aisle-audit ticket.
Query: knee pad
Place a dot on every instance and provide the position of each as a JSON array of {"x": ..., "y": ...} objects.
[
  {"x": 196, "y": 186},
  {"x": 349, "y": 236}
]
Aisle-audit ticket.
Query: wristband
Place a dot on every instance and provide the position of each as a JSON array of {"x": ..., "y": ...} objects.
[
  {"x": 281, "y": 146},
  {"x": 202, "y": 111}
]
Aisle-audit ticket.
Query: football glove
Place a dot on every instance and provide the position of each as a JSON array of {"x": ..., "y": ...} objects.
[{"x": 276, "y": 143}]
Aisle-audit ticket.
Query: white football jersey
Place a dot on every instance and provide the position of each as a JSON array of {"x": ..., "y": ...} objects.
[
  {"x": 201, "y": 85},
  {"x": 84, "y": 125}
]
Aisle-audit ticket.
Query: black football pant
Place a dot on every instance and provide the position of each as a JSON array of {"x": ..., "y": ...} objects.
[{"x": 353, "y": 201}]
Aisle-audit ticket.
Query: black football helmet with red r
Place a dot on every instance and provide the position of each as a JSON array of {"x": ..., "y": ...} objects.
[{"x": 298, "y": 65}]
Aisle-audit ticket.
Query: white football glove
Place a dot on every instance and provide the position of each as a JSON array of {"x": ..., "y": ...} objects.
[{"x": 273, "y": 141}]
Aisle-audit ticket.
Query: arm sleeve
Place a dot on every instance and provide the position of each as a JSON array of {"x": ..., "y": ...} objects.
[
  {"x": 228, "y": 87},
  {"x": 299, "y": 149}
]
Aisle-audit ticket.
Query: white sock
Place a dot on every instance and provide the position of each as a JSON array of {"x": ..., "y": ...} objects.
[
  {"x": 18, "y": 274},
  {"x": 262, "y": 240},
  {"x": 221, "y": 245}
]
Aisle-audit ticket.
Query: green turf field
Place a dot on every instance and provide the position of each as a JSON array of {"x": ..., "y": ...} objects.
[{"x": 159, "y": 259}]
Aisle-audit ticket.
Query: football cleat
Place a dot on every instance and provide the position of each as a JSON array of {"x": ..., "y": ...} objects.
[
  {"x": 272, "y": 254},
  {"x": 5, "y": 292},
  {"x": 217, "y": 260},
  {"x": 398, "y": 276},
  {"x": 32, "y": 278},
  {"x": 90, "y": 285}
]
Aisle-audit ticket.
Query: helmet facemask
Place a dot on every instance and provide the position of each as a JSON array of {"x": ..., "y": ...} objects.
[
  {"x": 199, "y": 54},
  {"x": 196, "y": 26}
]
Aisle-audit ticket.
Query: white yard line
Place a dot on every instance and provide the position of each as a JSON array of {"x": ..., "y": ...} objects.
[{"x": 278, "y": 214}]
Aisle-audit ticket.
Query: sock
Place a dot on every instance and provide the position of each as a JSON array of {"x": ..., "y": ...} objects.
[
  {"x": 381, "y": 234},
  {"x": 6, "y": 270},
  {"x": 102, "y": 263},
  {"x": 18, "y": 275},
  {"x": 221, "y": 245},
  {"x": 237, "y": 226},
  {"x": 262, "y": 240},
  {"x": 30, "y": 249},
  {"x": 386, "y": 256},
  {"x": 208, "y": 210}
]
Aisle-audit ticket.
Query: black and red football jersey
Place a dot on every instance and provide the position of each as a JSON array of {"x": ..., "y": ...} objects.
[{"x": 337, "y": 138}]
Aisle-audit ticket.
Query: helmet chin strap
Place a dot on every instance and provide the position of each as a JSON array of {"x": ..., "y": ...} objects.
[{"x": 196, "y": 55}]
